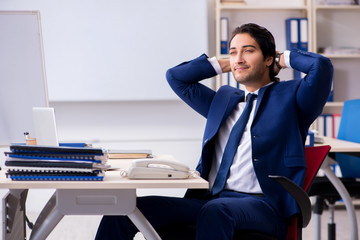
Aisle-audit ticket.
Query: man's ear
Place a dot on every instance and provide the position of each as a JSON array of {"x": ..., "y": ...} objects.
[{"x": 269, "y": 61}]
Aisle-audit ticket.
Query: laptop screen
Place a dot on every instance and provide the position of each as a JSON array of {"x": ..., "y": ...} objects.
[{"x": 45, "y": 126}]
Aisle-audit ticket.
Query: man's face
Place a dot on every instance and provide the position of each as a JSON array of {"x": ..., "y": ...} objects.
[{"x": 247, "y": 62}]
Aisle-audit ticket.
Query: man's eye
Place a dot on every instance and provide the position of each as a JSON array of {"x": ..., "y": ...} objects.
[{"x": 232, "y": 53}]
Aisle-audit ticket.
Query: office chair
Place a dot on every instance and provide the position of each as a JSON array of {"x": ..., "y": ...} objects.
[
  {"x": 314, "y": 158},
  {"x": 349, "y": 130},
  {"x": 322, "y": 189}
]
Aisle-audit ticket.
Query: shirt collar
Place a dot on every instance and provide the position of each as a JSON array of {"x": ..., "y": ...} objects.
[{"x": 257, "y": 91}]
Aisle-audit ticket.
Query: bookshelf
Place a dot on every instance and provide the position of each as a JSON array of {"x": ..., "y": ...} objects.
[
  {"x": 329, "y": 26},
  {"x": 335, "y": 28}
]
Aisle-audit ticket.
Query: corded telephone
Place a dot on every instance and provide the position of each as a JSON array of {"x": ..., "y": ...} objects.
[{"x": 158, "y": 169}]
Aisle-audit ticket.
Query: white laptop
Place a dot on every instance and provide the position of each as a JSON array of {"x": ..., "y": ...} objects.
[{"x": 45, "y": 126}]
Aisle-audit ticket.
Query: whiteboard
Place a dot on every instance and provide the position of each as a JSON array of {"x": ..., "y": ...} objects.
[
  {"x": 110, "y": 50},
  {"x": 22, "y": 73}
]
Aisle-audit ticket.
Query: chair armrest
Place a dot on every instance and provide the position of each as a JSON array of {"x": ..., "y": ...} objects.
[{"x": 300, "y": 196}]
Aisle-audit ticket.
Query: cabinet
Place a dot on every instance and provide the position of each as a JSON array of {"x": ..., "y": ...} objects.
[{"x": 329, "y": 26}]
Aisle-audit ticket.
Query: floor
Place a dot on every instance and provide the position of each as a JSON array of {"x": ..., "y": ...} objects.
[{"x": 84, "y": 227}]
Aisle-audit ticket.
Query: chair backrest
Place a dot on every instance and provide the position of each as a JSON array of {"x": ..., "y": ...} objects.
[
  {"x": 314, "y": 158},
  {"x": 349, "y": 130}
]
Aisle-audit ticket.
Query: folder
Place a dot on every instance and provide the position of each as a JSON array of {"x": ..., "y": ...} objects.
[
  {"x": 292, "y": 38},
  {"x": 59, "y": 150},
  {"x": 328, "y": 125},
  {"x": 320, "y": 125},
  {"x": 59, "y": 157},
  {"x": 224, "y": 35},
  {"x": 336, "y": 124},
  {"x": 54, "y": 178},
  {"x": 15, "y": 170},
  {"x": 309, "y": 142},
  {"x": 56, "y": 164},
  {"x": 303, "y": 34},
  {"x": 292, "y": 33},
  {"x": 51, "y": 163},
  {"x": 331, "y": 95}
]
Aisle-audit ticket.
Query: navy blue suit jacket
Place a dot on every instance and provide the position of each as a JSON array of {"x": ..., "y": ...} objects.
[{"x": 283, "y": 114}]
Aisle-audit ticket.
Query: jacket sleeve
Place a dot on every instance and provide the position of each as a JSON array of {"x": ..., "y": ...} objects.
[
  {"x": 184, "y": 80},
  {"x": 315, "y": 87}
]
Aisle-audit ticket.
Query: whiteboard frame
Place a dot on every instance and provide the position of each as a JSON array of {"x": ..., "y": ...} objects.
[{"x": 17, "y": 109}]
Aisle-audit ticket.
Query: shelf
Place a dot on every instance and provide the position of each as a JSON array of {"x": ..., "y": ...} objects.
[
  {"x": 337, "y": 7},
  {"x": 234, "y": 6},
  {"x": 333, "y": 108},
  {"x": 341, "y": 55},
  {"x": 325, "y": 55},
  {"x": 334, "y": 104}
]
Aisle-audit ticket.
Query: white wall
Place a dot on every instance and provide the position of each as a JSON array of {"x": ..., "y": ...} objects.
[{"x": 108, "y": 50}]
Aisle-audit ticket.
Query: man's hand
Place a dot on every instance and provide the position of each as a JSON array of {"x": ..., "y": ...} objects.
[
  {"x": 225, "y": 65},
  {"x": 281, "y": 62}
]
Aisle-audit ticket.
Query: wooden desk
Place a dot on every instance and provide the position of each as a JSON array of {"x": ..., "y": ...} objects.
[
  {"x": 115, "y": 195},
  {"x": 339, "y": 146}
]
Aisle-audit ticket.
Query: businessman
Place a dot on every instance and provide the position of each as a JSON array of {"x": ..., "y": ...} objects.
[{"x": 248, "y": 136}]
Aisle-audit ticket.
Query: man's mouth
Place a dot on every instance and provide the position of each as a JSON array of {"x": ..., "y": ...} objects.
[{"x": 240, "y": 67}]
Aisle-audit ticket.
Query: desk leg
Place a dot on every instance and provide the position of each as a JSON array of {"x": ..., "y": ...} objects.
[
  {"x": 49, "y": 217},
  {"x": 13, "y": 214},
  {"x": 88, "y": 202},
  {"x": 143, "y": 225},
  {"x": 339, "y": 186},
  {"x": 317, "y": 221}
]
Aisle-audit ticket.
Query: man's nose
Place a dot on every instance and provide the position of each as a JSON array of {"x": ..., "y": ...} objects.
[{"x": 239, "y": 57}]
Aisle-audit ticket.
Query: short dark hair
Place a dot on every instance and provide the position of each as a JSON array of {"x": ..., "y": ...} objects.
[{"x": 263, "y": 37}]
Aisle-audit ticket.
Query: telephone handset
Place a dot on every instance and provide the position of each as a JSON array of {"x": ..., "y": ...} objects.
[{"x": 158, "y": 169}]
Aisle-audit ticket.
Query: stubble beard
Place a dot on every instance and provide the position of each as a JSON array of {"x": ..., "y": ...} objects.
[{"x": 249, "y": 78}]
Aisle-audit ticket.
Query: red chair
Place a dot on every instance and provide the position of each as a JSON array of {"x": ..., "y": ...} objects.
[{"x": 314, "y": 158}]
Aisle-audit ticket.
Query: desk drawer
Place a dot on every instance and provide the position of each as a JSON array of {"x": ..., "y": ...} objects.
[{"x": 96, "y": 202}]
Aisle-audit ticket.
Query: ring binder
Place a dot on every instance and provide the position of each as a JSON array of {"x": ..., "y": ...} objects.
[{"x": 44, "y": 163}]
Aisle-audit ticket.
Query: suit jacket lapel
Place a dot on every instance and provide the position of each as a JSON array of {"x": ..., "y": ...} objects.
[
  {"x": 223, "y": 104},
  {"x": 260, "y": 96}
]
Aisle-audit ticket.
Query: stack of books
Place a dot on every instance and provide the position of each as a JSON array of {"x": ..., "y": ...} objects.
[{"x": 44, "y": 163}]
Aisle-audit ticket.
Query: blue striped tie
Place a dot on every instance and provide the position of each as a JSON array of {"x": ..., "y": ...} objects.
[{"x": 232, "y": 145}]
